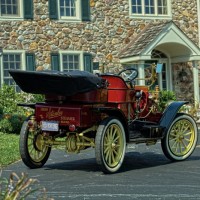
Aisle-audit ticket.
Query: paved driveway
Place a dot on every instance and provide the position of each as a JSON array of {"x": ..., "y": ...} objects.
[{"x": 146, "y": 175}]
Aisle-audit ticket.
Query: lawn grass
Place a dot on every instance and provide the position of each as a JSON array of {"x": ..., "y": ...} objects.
[{"x": 9, "y": 149}]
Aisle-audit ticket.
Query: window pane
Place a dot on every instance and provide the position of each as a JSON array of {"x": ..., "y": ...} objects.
[
  {"x": 162, "y": 7},
  {"x": 6, "y": 81},
  {"x": 5, "y": 57},
  {"x": 137, "y": 6},
  {"x": 61, "y": 2},
  {"x": 67, "y": 3},
  {"x": 76, "y": 65},
  {"x": 73, "y": 12},
  {"x": 71, "y": 66},
  {"x": 6, "y": 73},
  {"x": 76, "y": 58},
  {"x": 71, "y": 58},
  {"x": 3, "y": 9},
  {"x": 62, "y": 12},
  {"x": 14, "y": 10},
  {"x": 17, "y": 58},
  {"x": 67, "y": 12},
  {"x": 12, "y": 65},
  {"x": 70, "y": 62},
  {"x": 149, "y": 7},
  {"x": 67, "y": 8},
  {"x": 9, "y": 7},
  {"x": 11, "y": 57},
  {"x": 11, "y": 61},
  {"x": 17, "y": 65},
  {"x": 5, "y": 66}
]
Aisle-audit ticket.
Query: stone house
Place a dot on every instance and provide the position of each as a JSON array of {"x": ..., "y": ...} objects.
[{"x": 103, "y": 34}]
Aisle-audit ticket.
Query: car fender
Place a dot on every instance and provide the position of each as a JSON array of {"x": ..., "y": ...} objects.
[{"x": 170, "y": 113}]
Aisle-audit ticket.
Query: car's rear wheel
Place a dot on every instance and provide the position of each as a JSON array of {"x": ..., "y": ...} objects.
[
  {"x": 33, "y": 151},
  {"x": 110, "y": 145},
  {"x": 181, "y": 138}
]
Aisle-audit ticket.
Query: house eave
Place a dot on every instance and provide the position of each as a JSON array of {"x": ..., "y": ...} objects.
[{"x": 135, "y": 59}]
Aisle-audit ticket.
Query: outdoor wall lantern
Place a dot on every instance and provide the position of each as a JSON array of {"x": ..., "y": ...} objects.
[{"x": 182, "y": 76}]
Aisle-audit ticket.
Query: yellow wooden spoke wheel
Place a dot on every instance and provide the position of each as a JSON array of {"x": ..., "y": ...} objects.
[
  {"x": 33, "y": 151},
  {"x": 181, "y": 138},
  {"x": 110, "y": 145}
]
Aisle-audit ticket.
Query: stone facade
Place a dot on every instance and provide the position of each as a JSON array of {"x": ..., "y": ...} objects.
[
  {"x": 183, "y": 81},
  {"x": 109, "y": 31}
]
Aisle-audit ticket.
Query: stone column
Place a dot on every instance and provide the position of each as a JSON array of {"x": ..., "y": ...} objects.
[{"x": 141, "y": 73}]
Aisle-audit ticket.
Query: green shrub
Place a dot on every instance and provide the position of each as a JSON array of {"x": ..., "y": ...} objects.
[
  {"x": 12, "y": 115},
  {"x": 5, "y": 126},
  {"x": 11, "y": 123},
  {"x": 165, "y": 98},
  {"x": 8, "y": 99},
  {"x": 16, "y": 122},
  {"x": 37, "y": 98}
]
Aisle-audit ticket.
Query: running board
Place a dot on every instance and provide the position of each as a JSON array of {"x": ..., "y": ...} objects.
[{"x": 145, "y": 133}]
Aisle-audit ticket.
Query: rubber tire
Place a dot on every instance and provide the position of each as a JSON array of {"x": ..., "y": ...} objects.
[
  {"x": 23, "y": 147},
  {"x": 165, "y": 141},
  {"x": 99, "y": 145}
]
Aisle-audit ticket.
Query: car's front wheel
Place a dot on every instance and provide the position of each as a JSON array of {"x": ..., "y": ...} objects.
[{"x": 181, "y": 138}]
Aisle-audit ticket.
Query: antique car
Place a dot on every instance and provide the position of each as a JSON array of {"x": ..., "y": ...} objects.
[{"x": 105, "y": 112}]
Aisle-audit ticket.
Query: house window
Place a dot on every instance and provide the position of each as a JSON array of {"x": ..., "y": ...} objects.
[
  {"x": 70, "y": 62},
  {"x": 69, "y": 9},
  {"x": 9, "y": 7},
  {"x": 10, "y": 61},
  {"x": 16, "y": 9},
  {"x": 150, "y": 8}
]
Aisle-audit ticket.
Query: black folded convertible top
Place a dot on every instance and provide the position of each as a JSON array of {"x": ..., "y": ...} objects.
[{"x": 55, "y": 82}]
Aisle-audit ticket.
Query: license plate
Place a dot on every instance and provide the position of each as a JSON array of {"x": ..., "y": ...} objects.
[{"x": 49, "y": 126}]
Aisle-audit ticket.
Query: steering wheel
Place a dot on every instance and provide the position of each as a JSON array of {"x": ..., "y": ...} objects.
[{"x": 128, "y": 74}]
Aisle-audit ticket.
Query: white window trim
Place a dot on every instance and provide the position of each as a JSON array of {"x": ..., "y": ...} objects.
[
  {"x": 150, "y": 16},
  {"x": 68, "y": 18},
  {"x": 80, "y": 53},
  {"x": 12, "y": 17},
  {"x": 22, "y": 52}
]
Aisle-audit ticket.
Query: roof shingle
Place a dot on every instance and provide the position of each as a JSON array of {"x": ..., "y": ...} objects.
[{"x": 142, "y": 40}]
